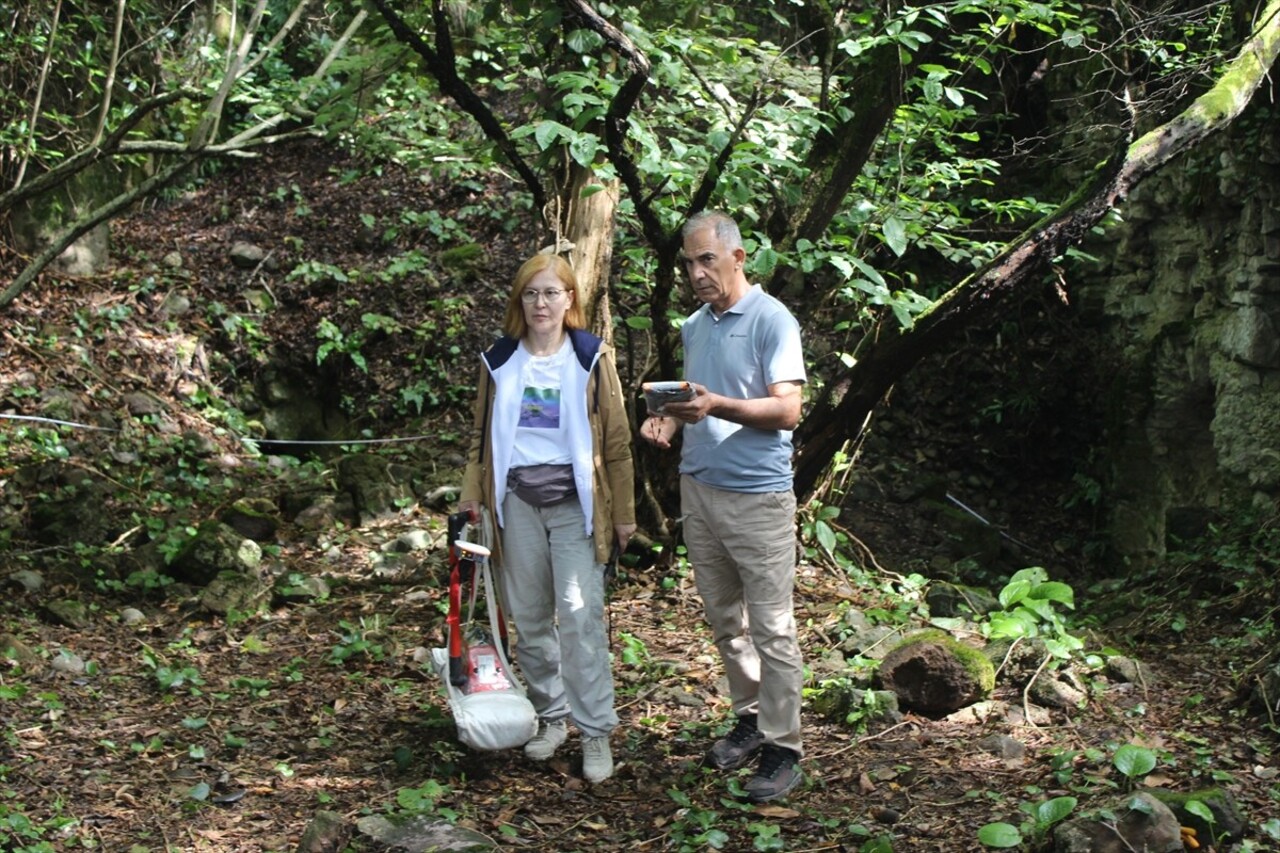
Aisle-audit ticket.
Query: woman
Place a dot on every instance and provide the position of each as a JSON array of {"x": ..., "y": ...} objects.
[{"x": 550, "y": 457}]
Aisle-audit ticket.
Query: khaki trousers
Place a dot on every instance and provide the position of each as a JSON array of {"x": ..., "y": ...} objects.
[{"x": 743, "y": 549}]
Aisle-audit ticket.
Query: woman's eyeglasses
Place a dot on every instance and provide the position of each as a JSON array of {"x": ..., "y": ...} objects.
[{"x": 551, "y": 295}]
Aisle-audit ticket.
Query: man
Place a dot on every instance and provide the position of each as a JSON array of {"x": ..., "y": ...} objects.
[{"x": 743, "y": 357}]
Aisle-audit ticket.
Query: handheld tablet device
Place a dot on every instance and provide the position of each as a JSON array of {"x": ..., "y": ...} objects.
[{"x": 658, "y": 394}]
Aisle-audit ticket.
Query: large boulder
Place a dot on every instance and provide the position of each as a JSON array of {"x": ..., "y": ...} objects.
[
  {"x": 253, "y": 518},
  {"x": 933, "y": 673}
]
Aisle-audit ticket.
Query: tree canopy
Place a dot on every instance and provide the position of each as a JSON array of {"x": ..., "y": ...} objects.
[{"x": 880, "y": 158}]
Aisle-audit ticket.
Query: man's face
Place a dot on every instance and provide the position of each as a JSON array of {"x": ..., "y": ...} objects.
[{"x": 714, "y": 271}]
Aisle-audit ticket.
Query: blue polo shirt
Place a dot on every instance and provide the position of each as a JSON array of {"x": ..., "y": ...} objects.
[{"x": 740, "y": 353}]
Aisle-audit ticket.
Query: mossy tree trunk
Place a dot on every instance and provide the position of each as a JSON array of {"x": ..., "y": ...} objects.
[{"x": 585, "y": 219}]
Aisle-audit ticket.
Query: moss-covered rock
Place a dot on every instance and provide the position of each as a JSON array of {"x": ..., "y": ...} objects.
[
  {"x": 215, "y": 548},
  {"x": 934, "y": 673},
  {"x": 1141, "y": 822},
  {"x": 1228, "y": 821},
  {"x": 234, "y": 592},
  {"x": 253, "y": 518}
]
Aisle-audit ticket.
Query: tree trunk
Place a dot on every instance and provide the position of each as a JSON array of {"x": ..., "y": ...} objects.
[
  {"x": 888, "y": 354},
  {"x": 587, "y": 222}
]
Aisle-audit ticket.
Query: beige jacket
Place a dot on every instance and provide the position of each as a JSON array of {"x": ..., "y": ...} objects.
[{"x": 613, "y": 477}]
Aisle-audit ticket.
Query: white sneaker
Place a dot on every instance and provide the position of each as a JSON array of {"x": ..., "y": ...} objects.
[
  {"x": 544, "y": 744},
  {"x": 597, "y": 759}
]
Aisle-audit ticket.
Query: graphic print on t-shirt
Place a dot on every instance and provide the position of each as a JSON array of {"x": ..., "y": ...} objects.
[{"x": 540, "y": 408}]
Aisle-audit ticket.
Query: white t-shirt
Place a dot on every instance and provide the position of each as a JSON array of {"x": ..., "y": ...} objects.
[{"x": 540, "y": 432}]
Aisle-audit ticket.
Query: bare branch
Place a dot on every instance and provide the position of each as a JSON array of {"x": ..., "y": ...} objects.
[
  {"x": 208, "y": 124},
  {"x": 88, "y": 156},
  {"x": 242, "y": 138},
  {"x": 442, "y": 64},
  {"x": 285, "y": 28},
  {"x": 110, "y": 83}
]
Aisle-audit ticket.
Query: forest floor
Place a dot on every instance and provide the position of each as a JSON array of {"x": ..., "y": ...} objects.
[{"x": 327, "y": 706}]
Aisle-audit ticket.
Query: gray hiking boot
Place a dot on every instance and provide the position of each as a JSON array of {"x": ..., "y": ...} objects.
[
  {"x": 778, "y": 773},
  {"x": 738, "y": 746},
  {"x": 550, "y": 736},
  {"x": 597, "y": 759}
]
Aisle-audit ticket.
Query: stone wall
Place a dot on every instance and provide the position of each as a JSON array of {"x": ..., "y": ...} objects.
[{"x": 1188, "y": 291}]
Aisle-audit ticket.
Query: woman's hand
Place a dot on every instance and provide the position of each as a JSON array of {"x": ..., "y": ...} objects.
[
  {"x": 659, "y": 431},
  {"x": 472, "y": 509},
  {"x": 624, "y": 532}
]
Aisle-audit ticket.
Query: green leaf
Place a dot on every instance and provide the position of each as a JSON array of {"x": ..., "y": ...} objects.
[
  {"x": 1055, "y": 591},
  {"x": 1051, "y": 811},
  {"x": 584, "y": 41},
  {"x": 895, "y": 235},
  {"x": 826, "y": 536},
  {"x": 1062, "y": 647},
  {"x": 199, "y": 792},
  {"x": 1000, "y": 835},
  {"x": 1033, "y": 575},
  {"x": 764, "y": 261},
  {"x": 1201, "y": 811},
  {"x": 843, "y": 264},
  {"x": 869, "y": 271},
  {"x": 1042, "y": 610},
  {"x": 583, "y": 148},
  {"x": 1009, "y": 626},
  {"x": 717, "y": 839},
  {"x": 1134, "y": 761},
  {"x": 547, "y": 133},
  {"x": 643, "y": 323},
  {"x": 1013, "y": 592}
]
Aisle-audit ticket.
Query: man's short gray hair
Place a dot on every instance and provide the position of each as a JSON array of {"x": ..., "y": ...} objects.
[{"x": 726, "y": 229}]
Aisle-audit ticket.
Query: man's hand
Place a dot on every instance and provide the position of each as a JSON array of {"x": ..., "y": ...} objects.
[
  {"x": 779, "y": 410},
  {"x": 692, "y": 411}
]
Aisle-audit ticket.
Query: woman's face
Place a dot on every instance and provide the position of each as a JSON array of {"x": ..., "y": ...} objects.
[{"x": 545, "y": 302}]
